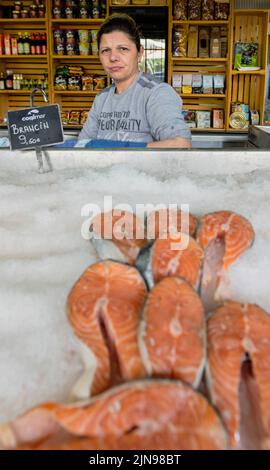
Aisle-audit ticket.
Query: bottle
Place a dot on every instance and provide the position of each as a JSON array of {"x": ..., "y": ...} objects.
[
  {"x": 45, "y": 82},
  {"x": 20, "y": 44},
  {"x": 26, "y": 46},
  {"x": 2, "y": 81},
  {"x": 32, "y": 44},
  {"x": 38, "y": 47},
  {"x": 44, "y": 44},
  {"x": 9, "y": 80}
]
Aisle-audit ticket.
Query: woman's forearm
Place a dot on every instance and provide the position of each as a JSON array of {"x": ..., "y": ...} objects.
[{"x": 176, "y": 142}]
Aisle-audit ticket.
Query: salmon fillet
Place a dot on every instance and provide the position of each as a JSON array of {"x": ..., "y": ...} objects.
[
  {"x": 152, "y": 414},
  {"x": 118, "y": 235},
  {"x": 104, "y": 309},
  {"x": 236, "y": 231},
  {"x": 163, "y": 222},
  {"x": 238, "y": 372},
  {"x": 224, "y": 236},
  {"x": 172, "y": 336},
  {"x": 168, "y": 260}
]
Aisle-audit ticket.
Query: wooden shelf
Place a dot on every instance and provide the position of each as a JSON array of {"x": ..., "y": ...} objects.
[
  {"x": 15, "y": 92},
  {"x": 248, "y": 72},
  {"x": 25, "y": 56},
  {"x": 198, "y": 59},
  {"x": 22, "y": 20},
  {"x": 78, "y": 21},
  {"x": 201, "y": 95},
  {"x": 75, "y": 57},
  {"x": 200, "y": 22},
  {"x": 206, "y": 129},
  {"x": 138, "y": 6},
  {"x": 75, "y": 92},
  {"x": 242, "y": 131}
]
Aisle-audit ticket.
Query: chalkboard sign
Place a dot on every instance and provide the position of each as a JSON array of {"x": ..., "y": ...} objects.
[{"x": 35, "y": 127}]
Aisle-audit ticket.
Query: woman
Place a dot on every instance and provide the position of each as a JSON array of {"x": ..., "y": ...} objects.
[{"x": 135, "y": 108}]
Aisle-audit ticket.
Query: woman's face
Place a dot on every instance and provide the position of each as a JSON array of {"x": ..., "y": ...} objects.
[{"x": 119, "y": 56}]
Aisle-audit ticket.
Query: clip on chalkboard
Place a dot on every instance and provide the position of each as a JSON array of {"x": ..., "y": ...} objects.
[{"x": 36, "y": 127}]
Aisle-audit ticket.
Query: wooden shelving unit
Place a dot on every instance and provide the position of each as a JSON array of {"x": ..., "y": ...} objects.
[
  {"x": 202, "y": 66},
  {"x": 241, "y": 86},
  {"x": 249, "y": 86}
]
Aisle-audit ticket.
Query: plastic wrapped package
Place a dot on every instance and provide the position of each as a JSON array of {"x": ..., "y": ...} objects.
[
  {"x": 180, "y": 10},
  {"x": 208, "y": 10},
  {"x": 197, "y": 83},
  {"x": 83, "y": 118},
  {"x": 74, "y": 117},
  {"x": 64, "y": 117},
  {"x": 208, "y": 84},
  {"x": 74, "y": 83},
  {"x": 219, "y": 84},
  {"x": 180, "y": 36},
  {"x": 187, "y": 83},
  {"x": 60, "y": 83},
  {"x": 194, "y": 9},
  {"x": 99, "y": 82},
  {"x": 222, "y": 9},
  {"x": 177, "y": 82},
  {"x": 87, "y": 83},
  {"x": 203, "y": 119}
]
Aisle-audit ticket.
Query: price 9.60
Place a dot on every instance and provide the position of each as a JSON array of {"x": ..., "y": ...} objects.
[{"x": 31, "y": 141}]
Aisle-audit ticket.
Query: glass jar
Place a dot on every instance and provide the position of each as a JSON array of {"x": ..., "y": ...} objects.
[
  {"x": 16, "y": 14},
  {"x": 17, "y": 6},
  {"x": 69, "y": 12},
  {"x": 33, "y": 11},
  {"x": 25, "y": 14},
  {"x": 41, "y": 11}
]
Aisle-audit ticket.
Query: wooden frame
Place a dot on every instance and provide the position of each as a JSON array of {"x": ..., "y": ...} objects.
[{"x": 248, "y": 87}]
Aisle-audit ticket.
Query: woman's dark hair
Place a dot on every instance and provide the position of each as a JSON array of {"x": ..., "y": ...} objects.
[{"x": 121, "y": 22}]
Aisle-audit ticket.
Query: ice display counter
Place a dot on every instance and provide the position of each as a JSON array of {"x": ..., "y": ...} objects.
[{"x": 42, "y": 251}]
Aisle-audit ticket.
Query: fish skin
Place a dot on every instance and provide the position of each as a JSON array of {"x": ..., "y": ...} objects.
[
  {"x": 236, "y": 331},
  {"x": 104, "y": 309},
  {"x": 163, "y": 259},
  {"x": 135, "y": 415},
  {"x": 172, "y": 332}
]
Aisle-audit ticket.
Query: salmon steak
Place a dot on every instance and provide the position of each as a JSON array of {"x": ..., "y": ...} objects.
[
  {"x": 118, "y": 235},
  {"x": 224, "y": 236},
  {"x": 177, "y": 255},
  {"x": 172, "y": 332},
  {"x": 104, "y": 309},
  {"x": 238, "y": 372},
  {"x": 150, "y": 414},
  {"x": 170, "y": 258},
  {"x": 163, "y": 222}
]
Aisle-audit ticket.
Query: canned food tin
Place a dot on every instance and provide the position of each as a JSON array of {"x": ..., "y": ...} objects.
[{"x": 238, "y": 120}]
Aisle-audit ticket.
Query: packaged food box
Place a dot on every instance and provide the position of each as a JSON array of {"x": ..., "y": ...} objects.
[
  {"x": 208, "y": 84},
  {"x": 193, "y": 41},
  {"x": 203, "y": 119},
  {"x": 177, "y": 81},
  {"x": 218, "y": 119}
]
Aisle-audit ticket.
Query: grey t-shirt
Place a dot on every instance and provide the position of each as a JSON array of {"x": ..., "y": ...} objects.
[{"x": 147, "y": 111}]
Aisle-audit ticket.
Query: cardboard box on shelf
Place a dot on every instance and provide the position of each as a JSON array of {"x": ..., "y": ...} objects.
[{"x": 193, "y": 41}]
